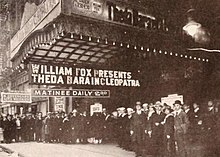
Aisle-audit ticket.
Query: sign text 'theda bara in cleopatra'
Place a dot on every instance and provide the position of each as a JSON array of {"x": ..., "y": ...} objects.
[{"x": 63, "y": 75}]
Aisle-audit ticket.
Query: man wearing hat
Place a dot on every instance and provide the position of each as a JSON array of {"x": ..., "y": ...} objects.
[
  {"x": 210, "y": 132},
  {"x": 195, "y": 117},
  {"x": 145, "y": 108},
  {"x": 157, "y": 129},
  {"x": 137, "y": 128},
  {"x": 181, "y": 124},
  {"x": 121, "y": 126},
  {"x": 127, "y": 138},
  {"x": 74, "y": 122}
]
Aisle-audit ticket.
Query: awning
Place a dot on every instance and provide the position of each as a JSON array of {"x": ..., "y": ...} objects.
[
  {"x": 73, "y": 39},
  {"x": 72, "y": 48},
  {"x": 76, "y": 40}
]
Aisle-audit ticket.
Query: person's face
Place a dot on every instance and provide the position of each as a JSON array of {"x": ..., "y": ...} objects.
[
  {"x": 138, "y": 107},
  {"x": 195, "y": 105},
  {"x": 115, "y": 114},
  {"x": 145, "y": 107},
  {"x": 167, "y": 111},
  {"x": 74, "y": 113},
  {"x": 84, "y": 113},
  {"x": 177, "y": 107},
  {"x": 129, "y": 113},
  {"x": 185, "y": 107},
  {"x": 210, "y": 103},
  {"x": 158, "y": 107},
  {"x": 121, "y": 112},
  {"x": 151, "y": 109}
]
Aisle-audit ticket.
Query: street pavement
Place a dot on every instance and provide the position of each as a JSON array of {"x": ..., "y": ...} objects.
[
  {"x": 3, "y": 154},
  {"x": 33, "y": 149}
]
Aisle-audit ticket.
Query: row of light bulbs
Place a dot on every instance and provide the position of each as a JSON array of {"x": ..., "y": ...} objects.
[
  {"x": 107, "y": 42},
  {"x": 143, "y": 48}
]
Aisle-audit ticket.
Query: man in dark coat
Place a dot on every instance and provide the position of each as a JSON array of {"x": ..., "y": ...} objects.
[
  {"x": 169, "y": 143},
  {"x": 17, "y": 120},
  {"x": 84, "y": 122},
  {"x": 105, "y": 131},
  {"x": 58, "y": 125},
  {"x": 121, "y": 126},
  {"x": 47, "y": 127},
  {"x": 38, "y": 126},
  {"x": 8, "y": 127},
  {"x": 23, "y": 128},
  {"x": 137, "y": 128},
  {"x": 30, "y": 127},
  {"x": 196, "y": 123},
  {"x": 181, "y": 124},
  {"x": 157, "y": 129},
  {"x": 74, "y": 123},
  {"x": 127, "y": 137},
  {"x": 66, "y": 129},
  {"x": 210, "y": 132},
  {"x": 113, "y": 126}
]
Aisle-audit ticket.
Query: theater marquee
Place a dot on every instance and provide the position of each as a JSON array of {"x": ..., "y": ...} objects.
[{"x": 63, "y": 75}]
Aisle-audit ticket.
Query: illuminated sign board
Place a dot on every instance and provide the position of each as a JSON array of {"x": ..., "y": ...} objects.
[
  {"x": 63, "y": 75},
  {"x": 77, "y": 93},
  {"x": 115, "y": 11},
  {"x": 15, "y": 97}
]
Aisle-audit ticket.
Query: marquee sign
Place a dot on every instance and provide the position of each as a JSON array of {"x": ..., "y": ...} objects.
[
  {"x": 116, "y": 12},
  {"x": 63, "y": 75},
  {"x": 15, "y": 97},
  {"x": 77, "y": 93}
]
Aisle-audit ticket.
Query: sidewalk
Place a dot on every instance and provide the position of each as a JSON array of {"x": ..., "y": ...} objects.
[
  {"x": 6, "y": 152},
  {"x": 33, "y": 149}
]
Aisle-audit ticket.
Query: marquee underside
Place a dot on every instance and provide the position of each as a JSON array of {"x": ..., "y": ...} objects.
[{"x": 73, "y": 49}]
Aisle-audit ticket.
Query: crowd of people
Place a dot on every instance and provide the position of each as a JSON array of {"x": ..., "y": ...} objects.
[{"x": 147, "y": 129}]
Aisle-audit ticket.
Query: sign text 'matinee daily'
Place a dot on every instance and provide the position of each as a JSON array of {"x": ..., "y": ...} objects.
[{"x": 62, "y": 75}]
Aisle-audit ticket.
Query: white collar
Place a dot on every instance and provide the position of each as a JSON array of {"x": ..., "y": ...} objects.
[
  {"x": 138, "y": 112},
  {"x": 158, "y": 112},
  {"x": 187, "y": 110},
  {"x": 177, "y": 112},
  {"x": 210, "y": 108},
  {"x": 124, "y": 114},
  {"x": 196, "y": 110}
]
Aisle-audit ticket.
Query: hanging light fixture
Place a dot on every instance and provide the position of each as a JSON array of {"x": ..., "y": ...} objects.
[
  {"x": 195, "y": 29},
  {"x": 192, "y": 26}
]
